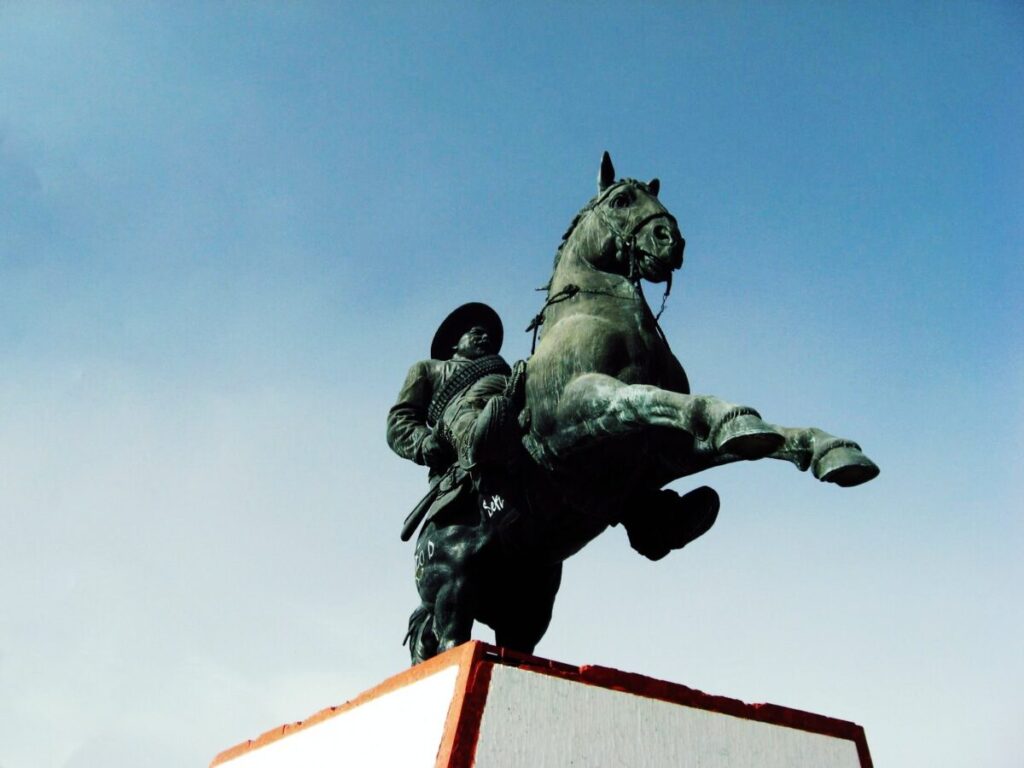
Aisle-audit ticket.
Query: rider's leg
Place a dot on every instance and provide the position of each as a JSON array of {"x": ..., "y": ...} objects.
[
  {"x": 597, "y": 405},
  {"x": 482, "y": 424},
  {"x": 493, "y": 440}
]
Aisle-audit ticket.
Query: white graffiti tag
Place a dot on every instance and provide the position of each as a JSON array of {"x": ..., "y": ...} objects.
[{"x": 494, "y": 504}]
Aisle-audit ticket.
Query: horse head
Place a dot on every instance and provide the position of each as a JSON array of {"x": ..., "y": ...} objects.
[{"x": 625, "y": 230}]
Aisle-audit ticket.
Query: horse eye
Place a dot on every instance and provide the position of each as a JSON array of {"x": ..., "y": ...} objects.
[{"x": 620, "y": 201}]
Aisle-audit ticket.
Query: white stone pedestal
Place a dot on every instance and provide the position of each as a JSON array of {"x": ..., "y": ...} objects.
[{"x": 483, "y": 706}]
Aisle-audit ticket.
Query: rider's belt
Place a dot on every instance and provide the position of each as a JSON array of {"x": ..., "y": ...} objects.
[{"x": 464, "y": 375}]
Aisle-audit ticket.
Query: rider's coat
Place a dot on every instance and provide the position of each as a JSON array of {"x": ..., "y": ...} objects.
[
  {"x": 407, "y": 420},
  {"x": 407, "y": 426}
]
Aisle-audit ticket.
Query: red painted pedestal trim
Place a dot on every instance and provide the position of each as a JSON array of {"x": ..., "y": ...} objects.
[{"x": 476, "y": 660}]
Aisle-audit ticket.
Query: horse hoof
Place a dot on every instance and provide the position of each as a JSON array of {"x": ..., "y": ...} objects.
[
  {"x": 844, "y": 464},
  {"x": 667, "y": 521},
  {"x": 701, "y": 507},
  {"x": 743, "y": 433}
]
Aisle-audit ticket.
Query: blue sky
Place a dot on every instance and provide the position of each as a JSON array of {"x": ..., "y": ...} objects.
[{"x": 227, "y": 230}]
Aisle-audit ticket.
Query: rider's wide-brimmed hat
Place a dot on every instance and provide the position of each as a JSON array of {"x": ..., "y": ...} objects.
[{"x": 461, "y": 320}]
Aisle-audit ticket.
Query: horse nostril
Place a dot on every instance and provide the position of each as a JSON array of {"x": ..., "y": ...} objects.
[{"x": 663, "y": 233}]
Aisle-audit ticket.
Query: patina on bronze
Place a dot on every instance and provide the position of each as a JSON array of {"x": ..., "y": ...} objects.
[{"x": 528, "y": 467}]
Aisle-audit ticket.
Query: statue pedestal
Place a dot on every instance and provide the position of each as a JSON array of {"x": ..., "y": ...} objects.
[{"x": 483, "y": 706}]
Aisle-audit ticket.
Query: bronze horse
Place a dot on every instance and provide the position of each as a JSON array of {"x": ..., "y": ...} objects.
[{"x": 608, "y": 420}]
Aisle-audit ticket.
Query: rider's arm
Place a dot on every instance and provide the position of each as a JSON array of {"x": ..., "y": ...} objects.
[{"x": 407, "y": 419}]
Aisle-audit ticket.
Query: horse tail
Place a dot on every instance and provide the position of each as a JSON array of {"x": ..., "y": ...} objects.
[{"x": 420, "y": 637}]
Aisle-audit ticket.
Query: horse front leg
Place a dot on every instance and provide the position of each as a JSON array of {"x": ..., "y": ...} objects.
[
  {"x": 831, "y": 459},
  {"x": 595, "y": 406},
  {"x": 659, "y": 521}
]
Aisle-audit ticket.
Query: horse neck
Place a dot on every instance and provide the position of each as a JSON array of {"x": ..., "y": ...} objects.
[
  {"x": 578, "y": 266},
  {"x": 594, "y": 284}
]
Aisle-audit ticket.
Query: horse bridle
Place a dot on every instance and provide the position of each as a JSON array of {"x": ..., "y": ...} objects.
[
  {"x": 625, "y": 242},
  {"x": 626, "y": 249}
]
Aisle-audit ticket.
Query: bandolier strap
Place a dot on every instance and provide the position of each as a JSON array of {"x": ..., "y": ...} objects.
[{"x": 464, "y": 376}]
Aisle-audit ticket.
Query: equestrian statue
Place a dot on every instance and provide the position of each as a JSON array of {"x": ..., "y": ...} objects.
[{"x": 528, "y": 463}]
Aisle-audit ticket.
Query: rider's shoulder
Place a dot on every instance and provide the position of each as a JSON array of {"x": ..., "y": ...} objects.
[{"x": 427, "y": 367}]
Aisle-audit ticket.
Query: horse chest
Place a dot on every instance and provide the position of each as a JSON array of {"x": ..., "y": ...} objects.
[
  {"x": 631, "y": 355},
  {"x": 651, "y": 363}
]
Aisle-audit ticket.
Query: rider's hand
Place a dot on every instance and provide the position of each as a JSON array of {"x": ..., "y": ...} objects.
[{"x": 436, "y": 454}]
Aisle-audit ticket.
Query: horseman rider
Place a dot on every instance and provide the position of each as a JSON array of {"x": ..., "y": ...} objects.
[{"x": 451, "y": 414}]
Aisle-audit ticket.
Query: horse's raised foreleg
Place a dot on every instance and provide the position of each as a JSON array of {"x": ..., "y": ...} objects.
[
  {"x": 831, "y": 459},
  {"x": 595, "y": 406},
  {"x": 659, "y": 521}
]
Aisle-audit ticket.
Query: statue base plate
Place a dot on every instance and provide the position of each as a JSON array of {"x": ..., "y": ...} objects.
[{"x": 478, "y": 705}]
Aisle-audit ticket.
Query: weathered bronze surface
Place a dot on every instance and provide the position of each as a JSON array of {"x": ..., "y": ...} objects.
[{"x": 527, "y": 465}]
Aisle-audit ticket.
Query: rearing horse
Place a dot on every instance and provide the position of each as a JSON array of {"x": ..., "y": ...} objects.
[{"x": 608, "y": 421}]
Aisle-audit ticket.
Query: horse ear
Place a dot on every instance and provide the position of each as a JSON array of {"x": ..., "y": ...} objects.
[
  {"x": 606, "y": 176},
  {"x": 655, "y": 186}
]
